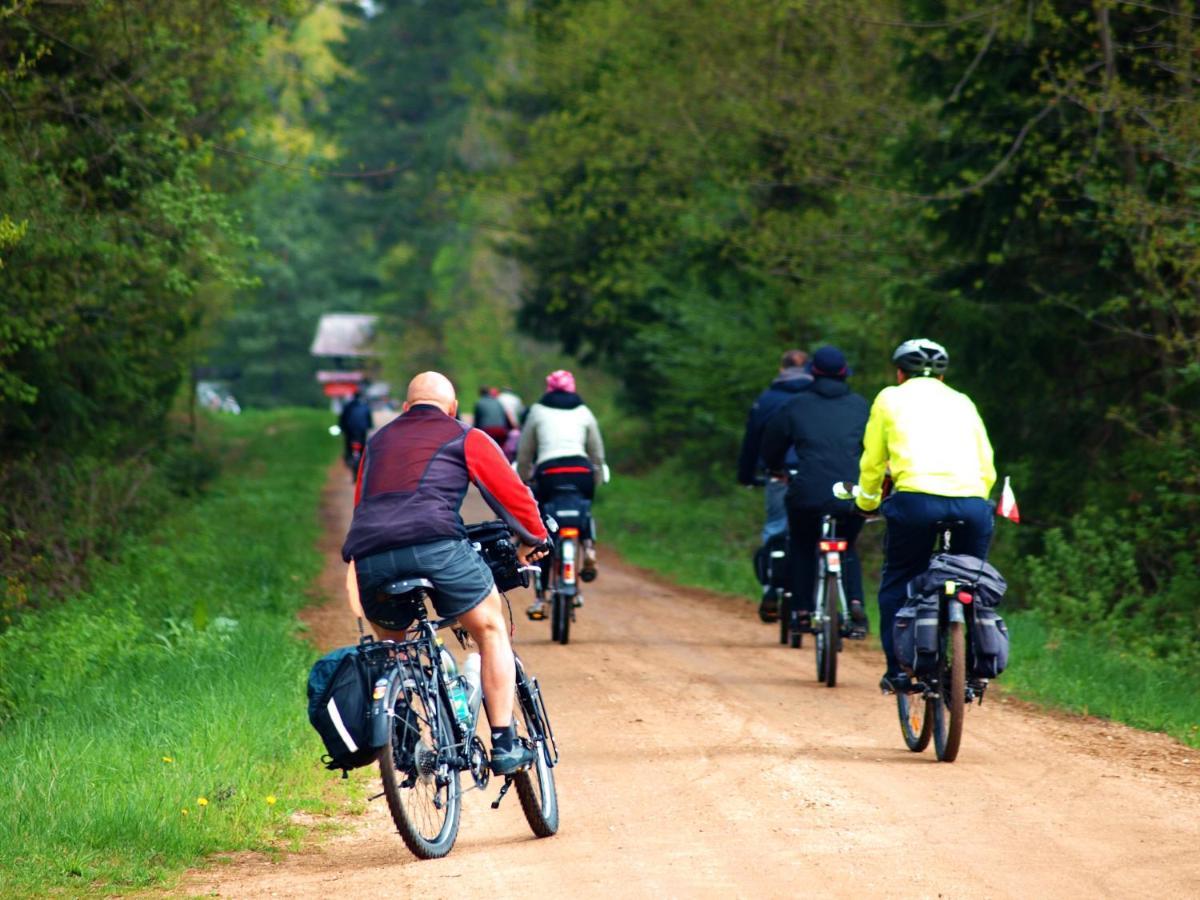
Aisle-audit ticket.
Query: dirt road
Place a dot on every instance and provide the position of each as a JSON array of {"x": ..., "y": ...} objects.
[{"x": 700, "y": 758}]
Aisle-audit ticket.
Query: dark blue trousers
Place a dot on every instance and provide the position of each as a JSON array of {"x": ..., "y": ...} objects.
[{"x": 911, "y": 532}]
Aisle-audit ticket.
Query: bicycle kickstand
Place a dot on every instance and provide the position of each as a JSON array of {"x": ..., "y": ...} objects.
[{"x": 508, "y": 781}]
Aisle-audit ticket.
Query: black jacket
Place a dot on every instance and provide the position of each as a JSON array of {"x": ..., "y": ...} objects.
[
  {"x": 824, "y": 426},
  {"x": 355, "y": 419},
  {"x": 782, "y": 390}
]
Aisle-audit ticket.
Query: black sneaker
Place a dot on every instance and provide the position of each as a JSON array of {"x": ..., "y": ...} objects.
[
  {"x": 858, "y": 614},
  {"x": 768, "y": 609},
  {"x": 901, "y": 683},
  {"x": 515, "y": 758}
]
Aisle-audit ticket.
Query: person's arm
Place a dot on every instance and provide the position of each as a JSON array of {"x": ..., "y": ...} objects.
[
  {"x": 594, "y": 443},
  {"x": 511, "y": 500},
  {"x": 527, "y": 447},
  {"x": 873, "y": 465},
  {"x": 987, "y": 464},
  {"x": 747, "y": 465},
  {"x": 776, "y": 440}
]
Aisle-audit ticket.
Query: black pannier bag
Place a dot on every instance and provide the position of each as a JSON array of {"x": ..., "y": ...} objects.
[
  {"x": 904, "y": 637},
  {"x": 986, "y": 584},
  {"x": 339, "y": 708},
  {"x": 493, "y": 541},
  {"x": 769, "y": 562},
  {"x": 988, "y": 656}
]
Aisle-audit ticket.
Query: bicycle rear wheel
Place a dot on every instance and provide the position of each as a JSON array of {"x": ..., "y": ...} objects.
[
  {"x": 952, "y": 705},
  {"x": 535, "y": 785},
  {"x": 423, "y": 795},
  {"x": 916, "y": 720}
]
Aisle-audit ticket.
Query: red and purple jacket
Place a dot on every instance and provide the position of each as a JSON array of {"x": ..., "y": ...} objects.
[{"x": 414, "y": 475}]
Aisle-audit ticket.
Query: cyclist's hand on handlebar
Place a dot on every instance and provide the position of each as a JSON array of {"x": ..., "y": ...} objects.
[
  {"x": 845, "y": 490},
  {"x": 532, "y": 554}
]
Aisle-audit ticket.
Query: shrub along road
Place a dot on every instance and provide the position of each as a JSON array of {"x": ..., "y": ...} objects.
[{"x": 700, "y": 758}]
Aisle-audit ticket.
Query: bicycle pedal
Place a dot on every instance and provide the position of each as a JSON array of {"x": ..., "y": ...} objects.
[{"x": 508, "y": 780}]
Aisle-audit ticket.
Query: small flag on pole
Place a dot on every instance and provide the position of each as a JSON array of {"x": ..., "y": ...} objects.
[{"x": 1008, "y": 503}]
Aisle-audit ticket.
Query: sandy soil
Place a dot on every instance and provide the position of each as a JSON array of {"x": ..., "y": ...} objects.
[{"x": 700, "y": 758}]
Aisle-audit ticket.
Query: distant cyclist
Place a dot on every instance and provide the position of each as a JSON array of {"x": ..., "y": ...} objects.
[
  {"x": 793, "y": 378},
  {"x": 561, "y": 446},
  {"x": 491, "y": 415},
  {"x": 822, "y": 428},
  {"x": 354, "y": 421},
  {"x": 933, "y": 442}
]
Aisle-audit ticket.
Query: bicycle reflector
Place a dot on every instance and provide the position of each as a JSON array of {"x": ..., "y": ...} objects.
[
  {"x": 827, "y": 546},
  {"x": 569, "y": 532}
]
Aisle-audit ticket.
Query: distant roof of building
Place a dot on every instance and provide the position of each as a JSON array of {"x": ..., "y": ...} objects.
[{"x": 344, "y": 334}]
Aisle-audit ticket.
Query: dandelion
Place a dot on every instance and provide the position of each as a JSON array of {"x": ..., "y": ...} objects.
[
  {"x": 184, "y": 810},
  {"x": 202, "y": 801},
  {"x": 168, "y": 759},
  {"x": 270, "y": 799}
]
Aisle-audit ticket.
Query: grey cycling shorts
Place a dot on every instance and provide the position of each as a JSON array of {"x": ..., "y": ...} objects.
[{"x": 461, "y": 580}]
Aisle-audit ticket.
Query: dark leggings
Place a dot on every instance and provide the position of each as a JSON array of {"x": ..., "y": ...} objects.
[{"x": 804, "y": 530}]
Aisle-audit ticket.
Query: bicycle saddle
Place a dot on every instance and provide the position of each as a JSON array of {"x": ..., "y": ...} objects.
[
  {"x": 943, "y": 524},
  {"x": 407, "y": 586}
]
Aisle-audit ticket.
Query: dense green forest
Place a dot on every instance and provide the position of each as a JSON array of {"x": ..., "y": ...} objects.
[{"x": 669, "y": 191}]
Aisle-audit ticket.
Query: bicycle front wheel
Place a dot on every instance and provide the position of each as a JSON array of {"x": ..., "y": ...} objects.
[
  {"x": 423, "y": 792},
  {"x": 831, "y": 629},
  {"x": 535, "y": 785},
  {"x": 953, "y": 702},
  {"x": 916, "y": 720},
  {"x": 560, "y": 617}
]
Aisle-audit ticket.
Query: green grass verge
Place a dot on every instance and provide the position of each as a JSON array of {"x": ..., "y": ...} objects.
[
  {"x": 661, "y": 521},
  {"x": 1086, "y": 674},
  {"x": 160, "y": 716}
]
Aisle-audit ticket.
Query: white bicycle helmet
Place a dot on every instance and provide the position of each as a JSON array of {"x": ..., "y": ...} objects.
[{"x": 921, "y": 356}]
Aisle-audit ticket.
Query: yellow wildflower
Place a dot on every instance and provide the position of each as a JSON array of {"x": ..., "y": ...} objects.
[
  {"x": 168, "y": 759},
  {"x": 184, "y": 811},
  {"x": 270, "y": 799},
  {"x": 202, "y": 801}
]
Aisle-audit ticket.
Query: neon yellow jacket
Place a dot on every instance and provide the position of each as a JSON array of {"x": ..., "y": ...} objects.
[{"x": 931, "y": 438}]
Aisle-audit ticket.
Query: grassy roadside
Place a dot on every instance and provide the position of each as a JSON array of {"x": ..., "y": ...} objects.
[
  {"x": 660, "y": 521},
  {"x": 158, "y": 717}
]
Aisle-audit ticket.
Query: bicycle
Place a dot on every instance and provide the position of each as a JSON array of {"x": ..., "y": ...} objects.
[
  {"x": 945, "y": 692},
  {"x": 831, "y": 614},
  {"x": 430, "y": 742},
  {"x": 556, "y": 582}
]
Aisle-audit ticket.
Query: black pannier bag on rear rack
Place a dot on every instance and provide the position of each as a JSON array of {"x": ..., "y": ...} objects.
[
  {"x": 339, "y": 708},
  {"x": 988, "y": 647},
  {"x": 769, "y": 561},
  {"x": 914, "y": 635}
]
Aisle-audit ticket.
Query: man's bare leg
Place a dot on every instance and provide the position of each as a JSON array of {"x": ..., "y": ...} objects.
[{"x": 498, "y": 672}]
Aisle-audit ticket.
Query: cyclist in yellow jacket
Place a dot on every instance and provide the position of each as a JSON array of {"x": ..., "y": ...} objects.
[{"x": 932, "y": 441}]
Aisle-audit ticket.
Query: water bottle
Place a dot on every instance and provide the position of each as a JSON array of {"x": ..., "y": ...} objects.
[
  {"x": 470, "y": 677},
  {"x": 457, "y": 688},
  {"x": 449, "y": 666}
]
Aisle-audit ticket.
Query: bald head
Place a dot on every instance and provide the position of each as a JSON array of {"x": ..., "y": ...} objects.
[{"x": 433, "y": 388}]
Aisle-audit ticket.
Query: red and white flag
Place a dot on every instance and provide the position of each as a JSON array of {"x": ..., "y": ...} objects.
[{"x": 1007, "y": 508}]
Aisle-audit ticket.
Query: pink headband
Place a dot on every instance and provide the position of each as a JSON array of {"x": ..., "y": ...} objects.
[{"x": 560, "y": 380}]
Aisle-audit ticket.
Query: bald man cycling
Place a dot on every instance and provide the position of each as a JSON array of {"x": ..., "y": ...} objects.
[{"x": 414, "y": 475}]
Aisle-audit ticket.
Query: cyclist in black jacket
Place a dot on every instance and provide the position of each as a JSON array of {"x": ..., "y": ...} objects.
[{"x": 824, "y": 427}]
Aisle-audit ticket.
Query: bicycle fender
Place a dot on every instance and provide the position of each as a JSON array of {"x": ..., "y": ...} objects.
[{"x": 383, "y": 698}]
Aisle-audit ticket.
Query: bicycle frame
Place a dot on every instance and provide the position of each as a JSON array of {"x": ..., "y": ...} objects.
[
  {"x": 955, "y": 604},
  {"x": 406, "y": 669},
  {"x": 829, "y": 559}
]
